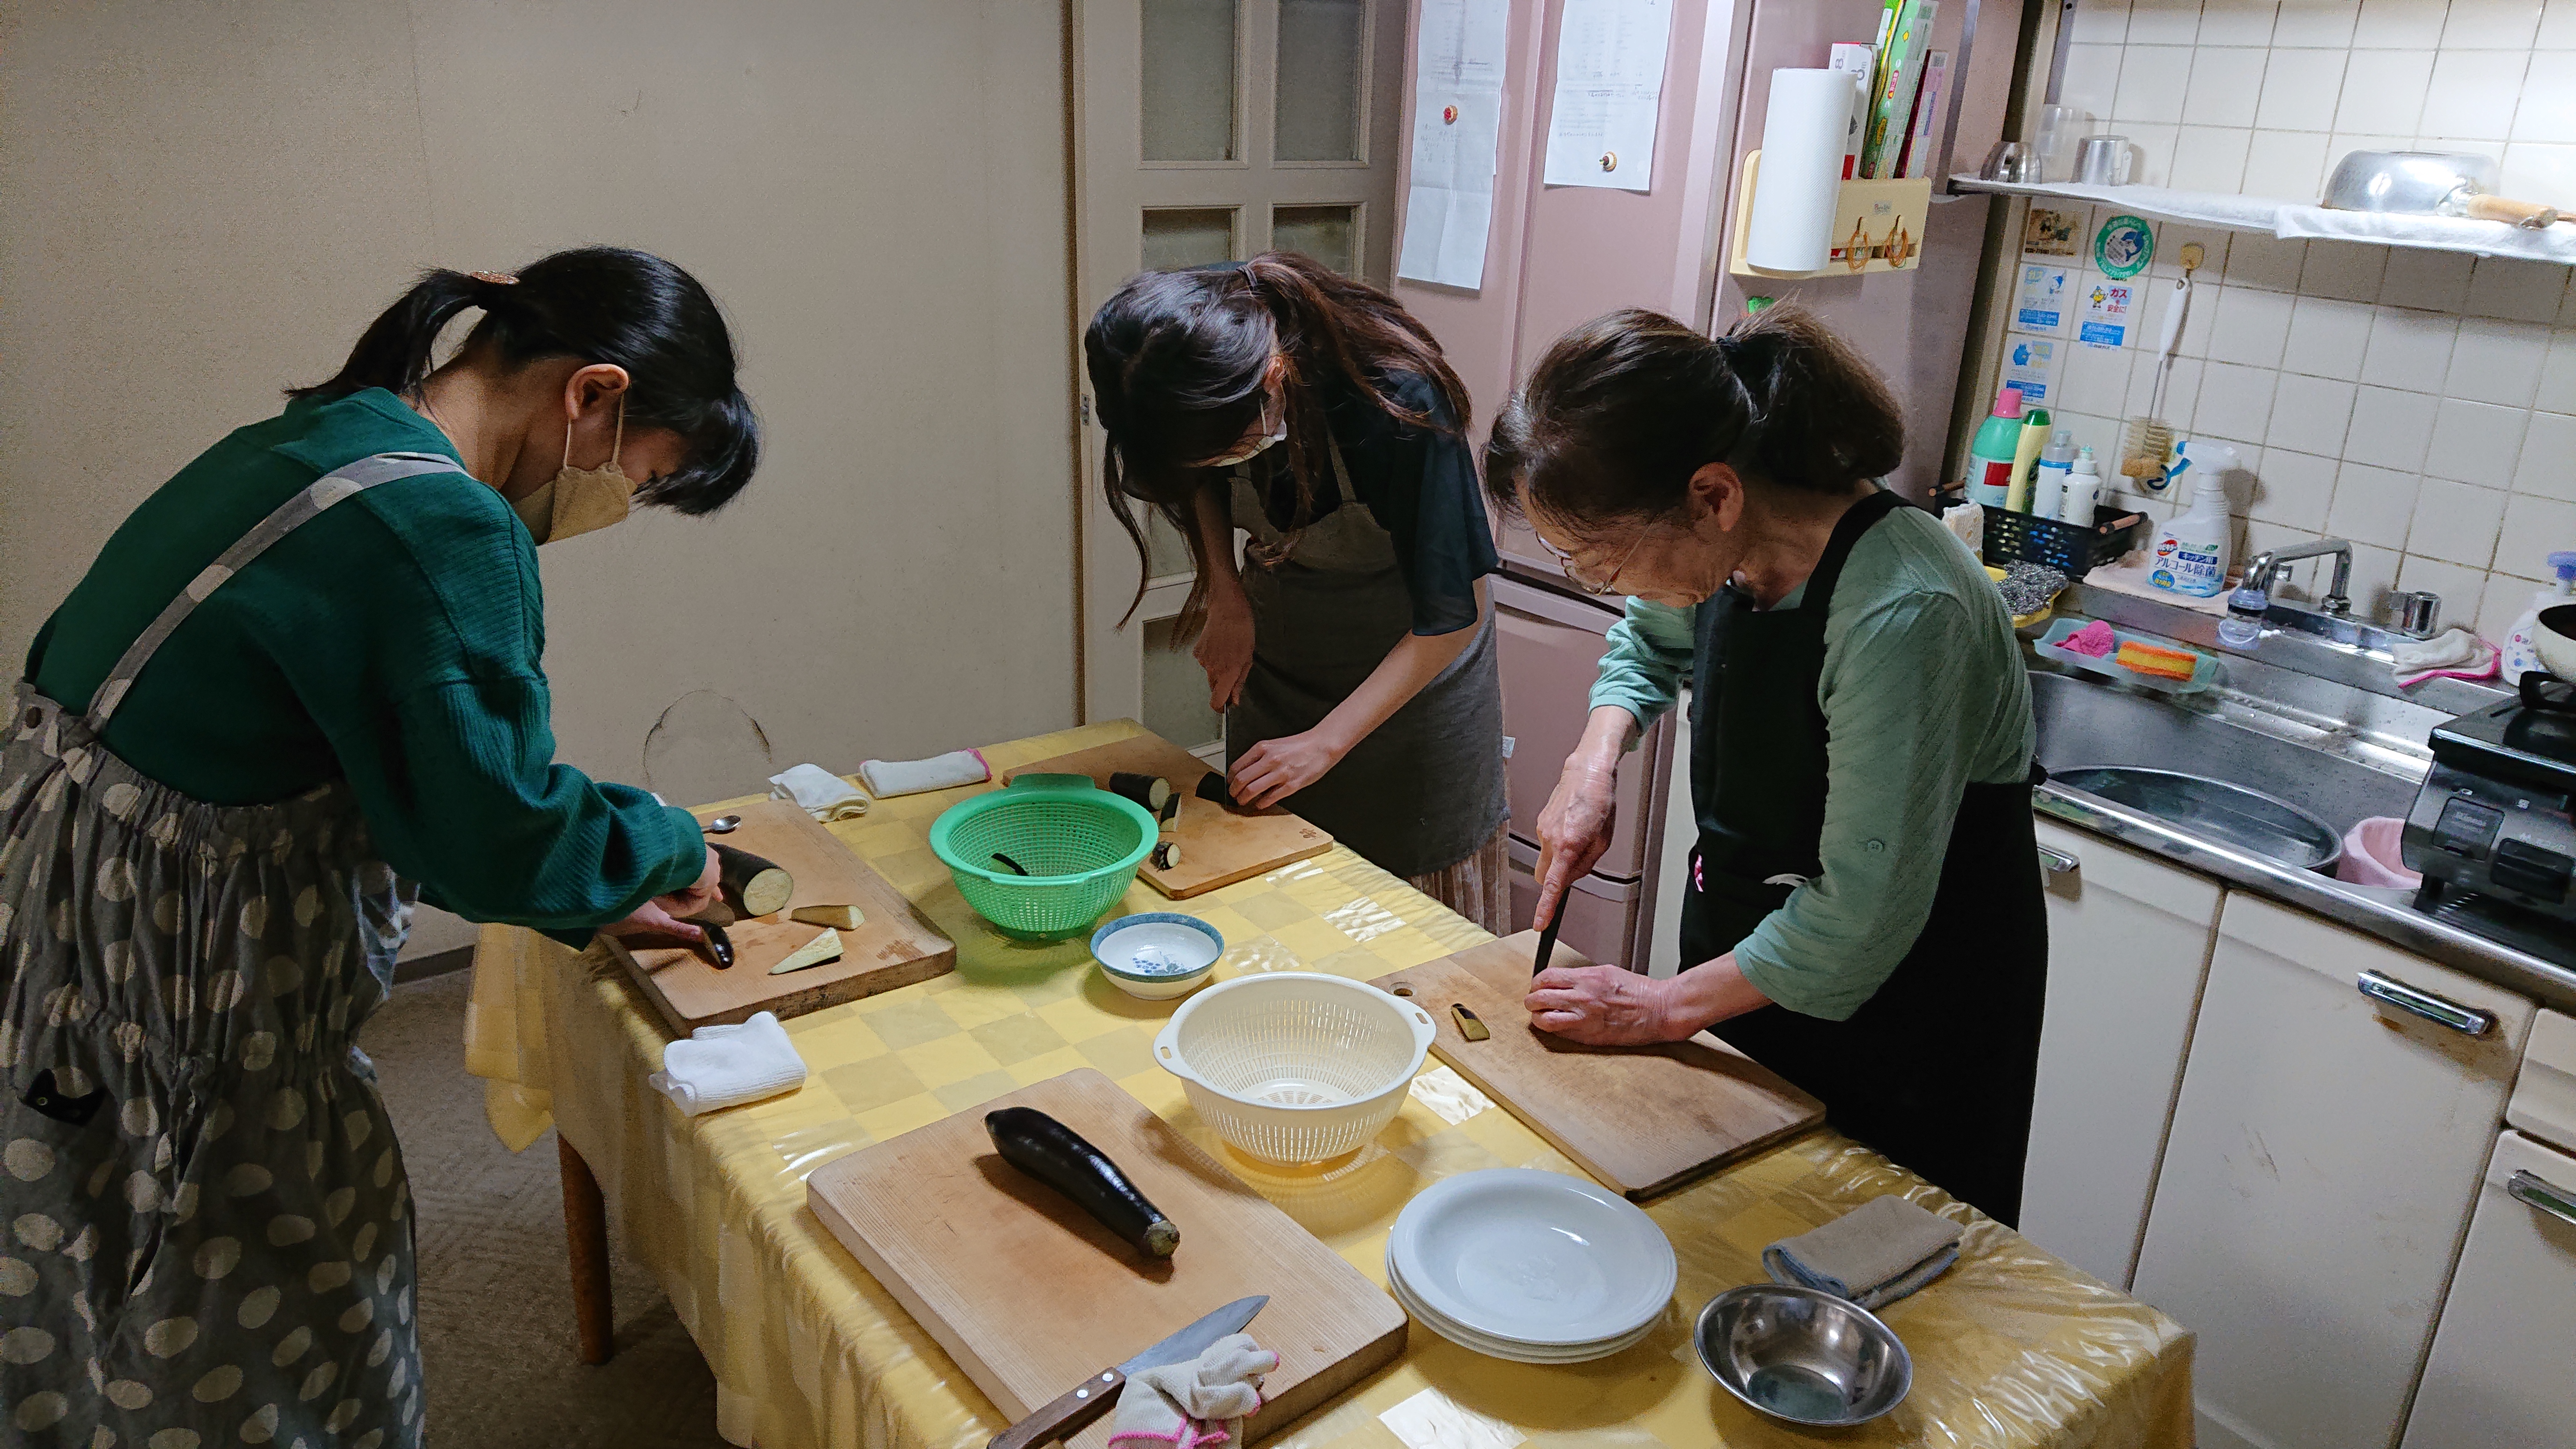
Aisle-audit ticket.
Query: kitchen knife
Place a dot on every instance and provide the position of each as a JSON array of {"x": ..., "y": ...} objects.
[
  {"x": 1073, "y": 1412},
  {"x": 719, "y": 945},
  {"x": 1547, "y": 938}
]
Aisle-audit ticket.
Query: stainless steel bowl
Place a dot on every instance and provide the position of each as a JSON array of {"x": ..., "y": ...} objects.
[{"x": 1802, "y": 1356}]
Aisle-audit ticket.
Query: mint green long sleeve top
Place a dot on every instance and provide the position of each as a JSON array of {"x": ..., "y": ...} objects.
[
  {"x": 1923, "y": 694},
  {"x": 394, "y": 642}
]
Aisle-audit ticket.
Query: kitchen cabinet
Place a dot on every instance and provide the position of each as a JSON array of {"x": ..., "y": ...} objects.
[
  {"x": 2498, "y": 1373},
  {"x": 2323, "y": 1161},
  {"x": 2129, "y": 939}
]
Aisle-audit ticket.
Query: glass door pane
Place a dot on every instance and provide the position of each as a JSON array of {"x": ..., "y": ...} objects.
[
  {"x": 1322, "y": 47},
  {"x": 1187, "y": 236},
  {"x": 1329, "y": 234},
  {"x": 1176, "y": 692},
  {"x": 1188, "y": 105},
  {"x": 1166, "y": 552}
]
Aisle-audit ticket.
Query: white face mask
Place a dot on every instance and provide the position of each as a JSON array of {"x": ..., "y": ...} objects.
[
  {"x": 580, "y": 500},
  {"x": 1278, "y": 434}
]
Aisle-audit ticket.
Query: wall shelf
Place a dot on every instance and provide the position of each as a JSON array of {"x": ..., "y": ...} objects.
[
  {"x": 1878, "y": 226},
  {"x": 2303, "y": 221}
]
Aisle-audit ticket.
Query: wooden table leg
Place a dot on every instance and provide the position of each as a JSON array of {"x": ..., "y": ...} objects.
[{"x": 586, "y": 1245}]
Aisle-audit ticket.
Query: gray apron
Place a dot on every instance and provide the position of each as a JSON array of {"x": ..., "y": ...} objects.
[
  {"x": 1425, "y": 789},
  {"x": 207, "y": 1235}
]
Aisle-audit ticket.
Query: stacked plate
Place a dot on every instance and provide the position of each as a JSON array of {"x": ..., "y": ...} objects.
[{"x": 1534, "y": 1267}]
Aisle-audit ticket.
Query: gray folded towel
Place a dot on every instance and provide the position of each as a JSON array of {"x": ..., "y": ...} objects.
[{"x": 1873, "y": 1255}]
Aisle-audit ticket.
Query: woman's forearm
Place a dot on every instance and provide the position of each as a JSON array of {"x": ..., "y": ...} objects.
[
  {"x": 1708, "y": 993},
  {"x": 1415, "y": 661},
  {"x": 1216, "y": 537},
  {"x": 1606, "y": 736}
]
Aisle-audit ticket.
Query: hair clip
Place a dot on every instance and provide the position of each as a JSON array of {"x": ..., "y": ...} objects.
[{"x": 498, "y": 279}]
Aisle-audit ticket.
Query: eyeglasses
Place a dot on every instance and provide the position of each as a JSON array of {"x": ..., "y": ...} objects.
[{"x": 1581, "y": 575}]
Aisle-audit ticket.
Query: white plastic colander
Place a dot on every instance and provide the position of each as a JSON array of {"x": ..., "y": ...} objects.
[{"x": 1295, "y": 1066}]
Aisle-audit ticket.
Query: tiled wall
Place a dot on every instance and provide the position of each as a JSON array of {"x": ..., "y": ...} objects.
[{"x": 2421, "y": 404}]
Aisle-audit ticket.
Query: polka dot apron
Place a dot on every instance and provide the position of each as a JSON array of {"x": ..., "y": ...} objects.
[{"x": 204, "y": 1225}]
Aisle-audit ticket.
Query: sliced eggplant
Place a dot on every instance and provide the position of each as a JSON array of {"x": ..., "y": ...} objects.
[
  {"x": 1212, "y": 788},
  {"x": 1150, "y": 791},
  {"x": 1056, "y": 1155},
  {"x": 1167, "y": 855},
  {"x": 752, "y": 885}
]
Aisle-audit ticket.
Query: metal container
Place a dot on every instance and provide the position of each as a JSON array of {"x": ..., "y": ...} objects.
[
  {"x": 1802, "y": 1356},
  {"x": 2102, "y": 161},
  {"x": 2427, "y": 183}
]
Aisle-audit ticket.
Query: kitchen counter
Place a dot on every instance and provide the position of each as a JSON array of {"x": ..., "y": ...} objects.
[
  {"x": 2012, "y": 1347},
  {"x": 2320, "y": 700},
  {"x": 2516, "y": 951}
]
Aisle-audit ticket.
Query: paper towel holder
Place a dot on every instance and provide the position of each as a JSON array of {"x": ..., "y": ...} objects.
[{"x": 1878, "y": 226}]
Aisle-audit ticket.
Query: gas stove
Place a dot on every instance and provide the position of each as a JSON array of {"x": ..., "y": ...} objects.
[{"x": 2492, "y": 819}]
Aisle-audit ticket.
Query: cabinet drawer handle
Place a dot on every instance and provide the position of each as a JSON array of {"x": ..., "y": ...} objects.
[
  {"x": 2057, "y": 862},
  {"x": 2466, "y": 1020},
  {"x": 2537, "y": 1191}
]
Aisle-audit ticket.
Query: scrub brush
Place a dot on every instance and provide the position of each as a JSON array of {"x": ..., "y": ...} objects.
[{"x": 2148, "y": 445}]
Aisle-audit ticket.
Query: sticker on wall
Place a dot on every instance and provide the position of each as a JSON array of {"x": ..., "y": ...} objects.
[
  {"x": 2124, "y": 246},
  {"x": 2044, "y": 302},
  {"x": 2106, "y": 314},
  {"x": 2051, "y": 233},
  {"x": 2030, "y": 363}
]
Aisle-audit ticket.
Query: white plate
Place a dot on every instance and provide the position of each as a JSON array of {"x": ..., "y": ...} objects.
[
  {"x": 1532, "y": 1258},
  {"x": 1475, "y": 1342}
]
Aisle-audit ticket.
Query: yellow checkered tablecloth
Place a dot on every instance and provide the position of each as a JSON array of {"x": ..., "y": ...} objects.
[{"x": 2011, "y": 1348}]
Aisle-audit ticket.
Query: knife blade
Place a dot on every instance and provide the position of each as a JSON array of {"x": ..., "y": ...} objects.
[
  {"x": 1074, "y": 1411},
  {"x": 1547, "y": 939}
]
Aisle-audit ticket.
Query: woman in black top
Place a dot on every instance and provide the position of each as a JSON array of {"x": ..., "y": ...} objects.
[{"x": 1353, "y": 647}]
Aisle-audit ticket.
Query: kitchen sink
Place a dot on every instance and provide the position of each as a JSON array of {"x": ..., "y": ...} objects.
[
  {"x": 2232, "y": 778},
  {"x": 2247, "y": 819}
]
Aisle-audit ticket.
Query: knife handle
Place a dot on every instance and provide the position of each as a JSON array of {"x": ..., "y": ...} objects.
[{"x": 1069, "y": 1415}]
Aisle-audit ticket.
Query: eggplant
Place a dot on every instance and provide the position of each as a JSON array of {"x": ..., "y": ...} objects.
[
  {"x": 1151, "y": 791},
  {"x": 752, "y": 885},
  {"x": 1056, "y": 1155},
  {"x": 1213, "y": 788},
  {"x": 1167, "y": 855}
]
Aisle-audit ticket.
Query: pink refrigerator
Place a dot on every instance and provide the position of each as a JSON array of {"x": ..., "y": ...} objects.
[{"x": 1557, "y": 256}]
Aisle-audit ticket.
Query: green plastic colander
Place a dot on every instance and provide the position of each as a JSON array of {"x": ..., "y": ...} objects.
[{"x": 1080, "y": 843}]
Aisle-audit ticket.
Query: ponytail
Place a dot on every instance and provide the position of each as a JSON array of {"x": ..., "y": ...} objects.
[
  {"x": 1177, "y": 362},
  {"x": 598, "y": 304},
  {"x": 1622, "y": 410}
]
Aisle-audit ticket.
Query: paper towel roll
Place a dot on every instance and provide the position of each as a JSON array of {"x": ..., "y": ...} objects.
[{"x": 1791, "y": 228}]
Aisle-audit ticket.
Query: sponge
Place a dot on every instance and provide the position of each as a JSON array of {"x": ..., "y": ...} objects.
[{"x": 2157, "y": 661}]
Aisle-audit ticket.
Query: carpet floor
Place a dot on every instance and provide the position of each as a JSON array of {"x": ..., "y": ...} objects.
[{"x": 496, "y": 1329}]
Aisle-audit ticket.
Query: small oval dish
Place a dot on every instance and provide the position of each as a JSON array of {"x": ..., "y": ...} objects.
[{"x": 1157, "y": 955}]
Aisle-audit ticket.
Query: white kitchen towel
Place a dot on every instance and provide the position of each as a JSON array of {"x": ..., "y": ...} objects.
[
  {"x": 726, "y": 1066},
  {"x": 939, "y": 772},
  {"x": 1873, "y": 1255},
  {"x": 1201, "y": 1402},
  {"x": 818, "y": 792}
]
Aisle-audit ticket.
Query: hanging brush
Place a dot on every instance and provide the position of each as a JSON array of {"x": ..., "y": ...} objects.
[{"x": 2147, "y": 447}]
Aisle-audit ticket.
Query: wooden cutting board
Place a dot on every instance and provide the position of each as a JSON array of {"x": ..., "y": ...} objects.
[
  {"x": 1218, "y": 846},
  {"x": 895, "y": 945},
  {"x": 1642, "y": 1119},
  {"x": 1029, "y": 1295}
]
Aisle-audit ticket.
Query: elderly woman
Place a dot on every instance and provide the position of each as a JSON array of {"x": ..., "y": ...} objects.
[
  {"x": 299, "y": 686},
  {"x": 1863, "y": 910}
]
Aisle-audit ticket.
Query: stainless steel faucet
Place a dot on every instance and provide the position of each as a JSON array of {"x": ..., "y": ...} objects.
[{"x": 2338, "y": 600}]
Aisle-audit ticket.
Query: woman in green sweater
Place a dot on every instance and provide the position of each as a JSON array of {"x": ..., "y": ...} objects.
[
  {"x": 1863, "y": 909},
  {"x": 298, "y": 689}
]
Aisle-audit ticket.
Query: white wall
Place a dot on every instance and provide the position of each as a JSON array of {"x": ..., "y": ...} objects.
[
  {"x": 2421, "y": 404},
  {"x": 200, "y": 204}
]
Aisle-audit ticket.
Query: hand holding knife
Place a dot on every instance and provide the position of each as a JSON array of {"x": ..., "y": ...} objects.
[{"x": 1078, "y": 1408}]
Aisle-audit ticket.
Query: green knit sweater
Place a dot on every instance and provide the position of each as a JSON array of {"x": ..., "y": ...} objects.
[{"x": 392, "y": 642}]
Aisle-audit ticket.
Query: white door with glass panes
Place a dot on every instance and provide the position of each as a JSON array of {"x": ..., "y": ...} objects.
[{"x": 1210, "y": 131}]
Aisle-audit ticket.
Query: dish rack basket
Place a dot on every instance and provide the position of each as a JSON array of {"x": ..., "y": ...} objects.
[{"x": 2070, "y": 548}]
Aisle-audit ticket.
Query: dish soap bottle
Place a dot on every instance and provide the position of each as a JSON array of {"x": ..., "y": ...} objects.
[
  {"x": 2191, "y": 551},
  {"x": 1992, "y": 452},
  {"x": 2048, "y": 480},
  {"x": 2083, "y": 490},
  {"x": 2519, "y": 657}
]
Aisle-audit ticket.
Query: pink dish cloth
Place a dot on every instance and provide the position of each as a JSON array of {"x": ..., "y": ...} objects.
[
  {"x": 2371, "y": 856},
  {"x": 2484, "y": 664},
  {"x": 2094, "y": 640}
]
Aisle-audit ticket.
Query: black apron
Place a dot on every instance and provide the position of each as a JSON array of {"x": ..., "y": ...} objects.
[{"x": 1936, "y": 1070}]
